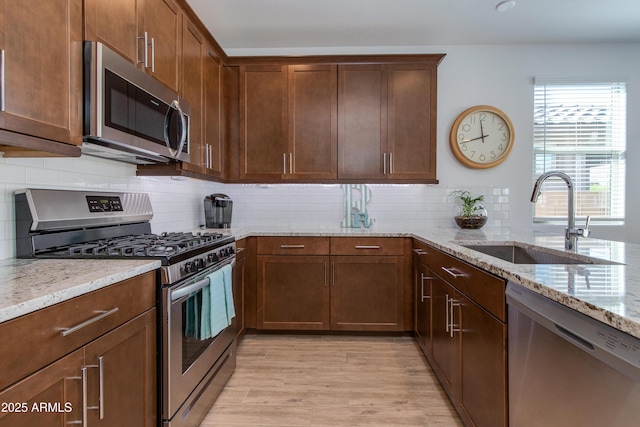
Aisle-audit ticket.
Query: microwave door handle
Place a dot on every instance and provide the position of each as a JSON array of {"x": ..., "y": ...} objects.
[{"x": 175, "y": 107}]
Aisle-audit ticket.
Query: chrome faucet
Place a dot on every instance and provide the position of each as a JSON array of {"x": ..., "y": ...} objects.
[{"x": 571, "y": 233}]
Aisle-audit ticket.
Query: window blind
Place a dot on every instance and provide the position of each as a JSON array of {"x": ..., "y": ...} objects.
[{"x": 580, "y": 129}]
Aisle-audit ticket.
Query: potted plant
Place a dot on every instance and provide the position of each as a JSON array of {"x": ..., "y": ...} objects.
[{"x": 471, "y": 214}]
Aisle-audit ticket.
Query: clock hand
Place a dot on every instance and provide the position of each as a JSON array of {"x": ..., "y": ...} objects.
[
  {"x": 482, "y": 132},
  {"x": 473, "y": 139}
]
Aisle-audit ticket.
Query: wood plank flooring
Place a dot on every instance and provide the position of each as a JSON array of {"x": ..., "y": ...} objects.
[{"x": 317, "y": 380}]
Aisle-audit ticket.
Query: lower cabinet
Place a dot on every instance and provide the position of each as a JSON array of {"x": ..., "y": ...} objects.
[
  {"x": 110, "y": 380},
  {"x": 321, "y": 283},
  {"x": 468, "y": 334},
  {"x": 293, "y": 292},
  {"x": 366, "y": 293}
]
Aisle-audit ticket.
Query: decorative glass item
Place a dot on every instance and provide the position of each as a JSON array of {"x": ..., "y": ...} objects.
[{"x": 471, "y": 214}]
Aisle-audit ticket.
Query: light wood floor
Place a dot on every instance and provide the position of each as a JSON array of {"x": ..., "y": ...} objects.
[{"x": 291, "y": 380}]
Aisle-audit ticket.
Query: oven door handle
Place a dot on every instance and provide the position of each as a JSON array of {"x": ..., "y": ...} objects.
[{"x": 186, "y": 290}]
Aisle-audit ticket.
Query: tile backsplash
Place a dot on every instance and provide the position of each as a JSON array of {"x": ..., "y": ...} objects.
[{"x": 178, "y": 203}]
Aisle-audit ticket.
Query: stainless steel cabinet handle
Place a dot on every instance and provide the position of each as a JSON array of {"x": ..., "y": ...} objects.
[
  {"x": 422, "y": 295},
  {"x": 446, "y": 308},
  {"x": 145, "y": 59},
  {"x": 452, "y": 273},
  {"x": 100, "y": 407},
  {"x": 101, "y": 392},
  {"x": 384, "y": 163},
  {"x": 284, "y": 163},
  {"x": 325, "y": 274},
  {"x": 85, "y": 407},
  {"x": 102, "y": 315},
  {"x": 333, "y": 274},
  {"x": 3, "y": 81},
  {"x": 452, "y": 327},
  {"x": 153, "y": 55},
  {"x": 390, "y": 163},
  {"x": 420, "y": 252},
  {"x": 367, "y": 247},
  {"x": 292, "y": 246},
  {"x": 290, "y": 163}
]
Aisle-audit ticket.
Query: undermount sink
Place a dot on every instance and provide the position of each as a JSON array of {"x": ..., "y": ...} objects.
[{"x": 518, "y": 253}]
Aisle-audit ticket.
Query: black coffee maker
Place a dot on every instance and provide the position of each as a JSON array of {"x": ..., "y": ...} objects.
[{"x": 217, "y": 211}]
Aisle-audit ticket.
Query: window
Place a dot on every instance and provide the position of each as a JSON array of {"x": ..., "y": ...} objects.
[{"x": 580, "y": 129}]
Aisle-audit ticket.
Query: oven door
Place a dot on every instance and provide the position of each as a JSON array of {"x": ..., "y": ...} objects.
[{"x": 187, "y": 360}]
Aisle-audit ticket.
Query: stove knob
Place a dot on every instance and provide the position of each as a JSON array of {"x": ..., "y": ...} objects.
[
  {"x": 189, "y": 267},
  {"x": 212, "y": 257},
  {"x": 231, "y": 251},
  {"x": 201, "y": 263}
]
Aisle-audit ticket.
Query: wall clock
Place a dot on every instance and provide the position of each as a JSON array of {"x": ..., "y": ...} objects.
[{"x": 482, "y": 137}]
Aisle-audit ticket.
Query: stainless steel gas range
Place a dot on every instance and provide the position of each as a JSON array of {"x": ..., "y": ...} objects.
[{"x": 196, "y": 361}]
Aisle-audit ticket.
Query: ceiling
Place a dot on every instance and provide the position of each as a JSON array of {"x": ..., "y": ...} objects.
[{"x": 250, "y": 26}]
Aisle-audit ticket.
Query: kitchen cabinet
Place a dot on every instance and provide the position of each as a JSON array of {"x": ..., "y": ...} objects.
[
  {"x": 147, "y": 32},
  {"x": 423, "y": 295},
  {"x": 293, "y": 291},
  {"x": 263, "y": 122},
  {"x": 288, "y": 126},
  {"x": 367, "y": 284},
  {"x": 342, "y": 284},
  {"x": 212, "y": 138},
  {"x": 104, "y": 342},
  {"x": 40, "y": 111},
  {"x": 193, "y": 78},
  {"x": 160, "y": 24},
  {"x": 387, "y": 127},
  {"x": 313, "y": 127},
  {"x": 468, "y": 333}
]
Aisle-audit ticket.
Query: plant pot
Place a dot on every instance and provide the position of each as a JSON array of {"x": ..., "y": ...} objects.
[{"x": 475, "y": 221}]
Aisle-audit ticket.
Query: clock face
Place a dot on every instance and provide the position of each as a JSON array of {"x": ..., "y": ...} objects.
[{"x": 482, "y": 137}]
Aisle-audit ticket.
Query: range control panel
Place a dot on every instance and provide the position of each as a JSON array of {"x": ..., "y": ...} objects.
[{"x": 104, "y": 203}]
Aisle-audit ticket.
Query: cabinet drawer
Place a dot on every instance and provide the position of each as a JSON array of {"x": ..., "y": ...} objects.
[
  {"x": 485, "y": 289},
  {"x": 36, "y": 339},
  {"x": 293, "y": 245},
  {"x": 426, "y": 255},
  {"x": 367, "y": 246}
]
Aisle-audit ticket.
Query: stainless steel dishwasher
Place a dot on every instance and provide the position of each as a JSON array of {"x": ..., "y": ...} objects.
[{"x": 567, "y": 369}]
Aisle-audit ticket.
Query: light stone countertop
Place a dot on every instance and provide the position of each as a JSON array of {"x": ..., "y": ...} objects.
[
  {"x": 27, "y": 285},
  {"x": 608, "y": 293}
]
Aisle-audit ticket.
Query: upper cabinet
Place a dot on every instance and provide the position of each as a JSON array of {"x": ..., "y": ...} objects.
[
  {"x": 41, "y": 88},
  {"x": 147, "y": 32},
  {"x": 372, "y": 119},
  {"x": 288, "y": 127},
  {"x": 387, "y": 124}
]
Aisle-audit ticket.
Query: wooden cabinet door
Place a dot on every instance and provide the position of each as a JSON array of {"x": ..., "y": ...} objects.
[
  {"x": 213, "y": 114},
  {"x": 483, "y": 396},
  {"x": 313, "y": 114},
  {"x": 162, "y": 21},
  {"x": 42, "y": 47},
  {"x": 423, "y": 307},
  {"x": 445, "y": 349},
  {"x": 362, "y": 121},
  {"x": 263, "y": 122},
  {"x": 412, "y": 121},
  {"x": 58, "y": 384},
  {"x": 367, "y": 293},
  {"x": 193, "y": 49},
  {"x": 114, "y": 23},
  {"x": 293, "y": 292},
  {"x": 123, "y": 361}
]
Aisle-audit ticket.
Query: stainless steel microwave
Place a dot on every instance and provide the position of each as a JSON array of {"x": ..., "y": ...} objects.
[{"x": 128, "y": 115}]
